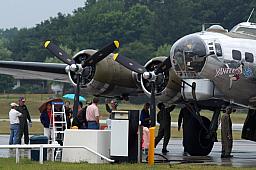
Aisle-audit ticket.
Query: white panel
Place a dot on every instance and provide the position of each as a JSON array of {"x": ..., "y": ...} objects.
[
  {"x": 119, "y": 137},
  {"x": 204, "y": 89},
  {"x": 97, "y": 140}
]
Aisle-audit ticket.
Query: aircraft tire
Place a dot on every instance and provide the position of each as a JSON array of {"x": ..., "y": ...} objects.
[{"x": 195, "y": 141}]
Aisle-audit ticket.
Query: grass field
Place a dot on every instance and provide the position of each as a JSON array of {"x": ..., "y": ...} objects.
[{"x": 9, "y": 163}]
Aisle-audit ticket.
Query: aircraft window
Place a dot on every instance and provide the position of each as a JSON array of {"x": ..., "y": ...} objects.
[
  {"x": 236, "y": 55},
  {"x": 250, "y": 31},
  {"x": 249, "y": 57},
  {"x": 218, "y": 49}
]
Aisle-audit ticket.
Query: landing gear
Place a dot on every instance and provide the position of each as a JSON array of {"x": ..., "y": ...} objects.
[{"x": 197, "y": 142}]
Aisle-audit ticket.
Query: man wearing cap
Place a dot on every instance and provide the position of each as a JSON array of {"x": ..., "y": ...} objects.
[
  {"x": 14, "y": 124},
  {"x": 226, "y": 133},
  {"x": 23, "y": 121}
]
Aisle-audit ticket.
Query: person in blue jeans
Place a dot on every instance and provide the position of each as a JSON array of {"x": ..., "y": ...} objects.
[
  {"x": 14, "y": 124},
  {"x": 92, "y": 114}
]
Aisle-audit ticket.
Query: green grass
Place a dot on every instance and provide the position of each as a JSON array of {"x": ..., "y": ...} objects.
[
  {"x": 9, "y": 163},
  {"x": 36, "y": 129},
  {"x": 33, "y": 102}
]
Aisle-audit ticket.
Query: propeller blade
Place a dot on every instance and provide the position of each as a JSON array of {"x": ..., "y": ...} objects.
[
  {"x": 77, "y": 93},
  {"x": 152, "y": 105},
  {"x": 128, "y": 63},
  {"x": 101, "y": 54},
  {"x": 58, "y": 52},
  {"x": 164, "y": 66}
]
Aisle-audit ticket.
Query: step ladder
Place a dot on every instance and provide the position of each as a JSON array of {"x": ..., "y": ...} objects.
[{"x": 59, "y": 124}]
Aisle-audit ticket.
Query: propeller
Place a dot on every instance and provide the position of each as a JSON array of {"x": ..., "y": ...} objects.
[
  {"x": 151, "y": 76},
  {"x": 78, "y": 67}
]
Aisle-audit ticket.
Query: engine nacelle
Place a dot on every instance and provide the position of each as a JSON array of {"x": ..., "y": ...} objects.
[
  {"x": 107, "y": 77},
  {"x": 168, "y": 84}
]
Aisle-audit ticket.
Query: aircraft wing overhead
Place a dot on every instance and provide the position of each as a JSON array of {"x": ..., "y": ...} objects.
[{"x": 34, "y": 70}]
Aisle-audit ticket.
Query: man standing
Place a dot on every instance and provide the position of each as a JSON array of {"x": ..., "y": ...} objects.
[
  {"x": 22, "y": 108},
  {"x": 164, "y": 118},
  {"x": 14, "y": 124},
  {"x": 144, "y": 116},
  {"x": 92, "y": 114},
  {"x": 226, "y": 134},
  {"x": 183, "y": 120},
  {"x": 113, "y": 104}
]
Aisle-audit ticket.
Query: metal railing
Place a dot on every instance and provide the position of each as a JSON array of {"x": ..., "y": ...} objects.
[{"x": 41, "y": 151}]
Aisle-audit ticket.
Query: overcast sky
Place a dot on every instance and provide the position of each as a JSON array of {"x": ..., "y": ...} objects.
[{"x": 28, "y": 13}]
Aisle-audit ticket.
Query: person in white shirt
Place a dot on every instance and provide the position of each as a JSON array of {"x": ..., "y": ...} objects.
[
  {"x": 92, "y": 114},
  {"x": 14, "y": 124}
]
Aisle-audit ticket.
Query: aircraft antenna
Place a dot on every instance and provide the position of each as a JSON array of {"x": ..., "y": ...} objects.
[
  {"x": 250, "y": 15},
  {"x": 203, "y": 27}
]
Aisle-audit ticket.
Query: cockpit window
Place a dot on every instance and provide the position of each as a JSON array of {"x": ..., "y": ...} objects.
[
  {"x": 249, "y": 31},
  {"x": 188, "y": 54},
  {"x": 249, "y": 57},
  {"x": 236, "y": 55}
]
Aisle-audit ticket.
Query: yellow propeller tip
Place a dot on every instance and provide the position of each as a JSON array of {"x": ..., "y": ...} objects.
[
  {"x": 46, "y": 44},
  {"x": 115, "y": 56},
  {"x": 116, "y": 43}
]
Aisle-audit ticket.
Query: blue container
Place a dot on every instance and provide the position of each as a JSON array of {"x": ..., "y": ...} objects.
[{"x": 36, "y": 151}]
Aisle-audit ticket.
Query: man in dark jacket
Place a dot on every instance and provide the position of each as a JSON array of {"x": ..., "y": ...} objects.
[
  {"x": 22, "y": 108},
  {"x": 164, "y": 119},
  {"x": 183, "y": 120}
]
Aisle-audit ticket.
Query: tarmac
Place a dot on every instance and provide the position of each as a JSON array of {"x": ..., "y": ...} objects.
[{"x": 244, "y": 153}]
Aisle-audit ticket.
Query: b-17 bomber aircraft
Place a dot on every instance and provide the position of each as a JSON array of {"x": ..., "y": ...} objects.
[{"x": 207, "y": 70}]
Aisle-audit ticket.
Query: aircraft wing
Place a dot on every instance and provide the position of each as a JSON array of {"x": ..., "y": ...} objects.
[{"x": 34, "y": 70}]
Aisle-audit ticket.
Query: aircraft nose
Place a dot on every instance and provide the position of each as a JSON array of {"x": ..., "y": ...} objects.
[{"x": 188, "y": 55}]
